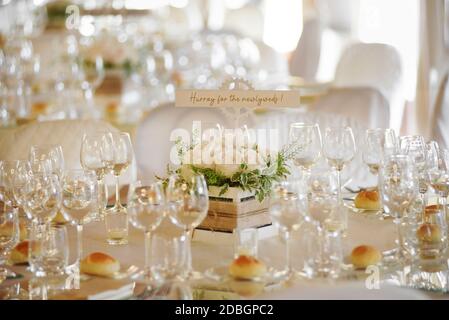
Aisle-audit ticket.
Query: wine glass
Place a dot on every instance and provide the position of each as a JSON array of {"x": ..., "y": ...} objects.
[
  {"x": 187, "y": 206},
  {"x": 146, "y": 207},
  {"x": 398, "y": 187},
  {"x": 41, "y": 197},
  {"x": 288, "y": 207},
  {"x": 9, "y": 238},
  {"x": 379, "y": 143},
  {"x": 93, "y": 75},
  {"x": 116, "y": 217},
  {"x": 307, "y": 138},
  {"x": 416, "y": 147},
  {"x": 96, "y": 152},
  {"x": 9, "y": 172},
  {"x": 79, "y": 201},
  {"x": 439, "y": 176},
  {"x": 51, "y": 153},
  {"x": 339, "y": 149}
]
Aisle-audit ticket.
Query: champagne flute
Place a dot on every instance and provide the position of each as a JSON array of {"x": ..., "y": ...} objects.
[
  {"x": 51, "y": 153},
  {"x": 339, "y": 149},
  {"x": 79, "y": 202},
  {"x": 398, "y": 187},
  {"x": 116, "y": 217},
  {"x": 146, "y": 207},
  {"x": 307, "y": 138},
  {"x": 96, "y": 150},
  {"x": 187, "y": 206},
  {"x": 9, "y": 238},
  {"x": 288, "y": 207}
]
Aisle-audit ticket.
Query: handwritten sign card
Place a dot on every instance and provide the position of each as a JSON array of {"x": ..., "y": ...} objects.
[{"x": 237, "y": 98}]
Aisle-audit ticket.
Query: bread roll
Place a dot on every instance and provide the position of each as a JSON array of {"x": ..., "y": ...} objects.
[
  {"x": 99, "y": 264},
  {"x": 20, "y": 253},
  {"x": 364, "y": 256},
  {"x": 368, "y": 200},
  {"x": 247, "y": 268},
  {"x": 429, "y": 233}
]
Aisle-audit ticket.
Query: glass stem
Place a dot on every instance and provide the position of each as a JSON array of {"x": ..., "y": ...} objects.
[
  {"x": 79, "y": 230},
  {"x": 188, "y": 234},
  {"x": 339, "y": 187},
  {"x": 117, "y": 193},
  {"x": 398, "y": 222},
  {"x": 287, "y": 253},
  {"x": 442, "y": 201},
  {"x": 147, "y": 254}
]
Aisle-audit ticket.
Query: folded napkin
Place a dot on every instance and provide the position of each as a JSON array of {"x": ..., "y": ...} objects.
[{"x": 123, "y": 292}]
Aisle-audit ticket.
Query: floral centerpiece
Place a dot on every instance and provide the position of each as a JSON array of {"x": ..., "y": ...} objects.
[{"x": 240, "y": 177}]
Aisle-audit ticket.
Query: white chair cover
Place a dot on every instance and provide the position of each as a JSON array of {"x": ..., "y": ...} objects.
[
  {"x": 305, "y": 59},
  {"x": 365, "y": 105},
  {"x": 154, "y": 141},
  {"x": 377, "y": 66},
  {"x": 440, "y": 126},
  {"x": 16, "y": 143}
]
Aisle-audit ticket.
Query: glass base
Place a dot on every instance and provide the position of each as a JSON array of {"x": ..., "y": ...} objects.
[
  {"x": 192, "y": 275},
  {"x": 117, "y": 242}
]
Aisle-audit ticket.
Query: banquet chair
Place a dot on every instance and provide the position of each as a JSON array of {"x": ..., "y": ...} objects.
[
  {"x": 440, "y": 123},
  {"x": 363, "y": 104},
  {"x": 155, "y": 136},
  {"x": 15, "y": 143},
  {"x": 377, "y": 66},
  {"x": 305, "y": 59}
]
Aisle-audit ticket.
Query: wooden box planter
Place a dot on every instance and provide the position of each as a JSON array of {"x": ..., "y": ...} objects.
[{"x": 235, "y": 209}]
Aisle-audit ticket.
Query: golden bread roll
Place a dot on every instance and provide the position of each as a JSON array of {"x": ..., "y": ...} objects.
[
  {"x": 364, "y": 256},
  {"x": 6, "y": 229},
  {"x": 247, "y": 268},
  {"x": 99, "y": 264},
  {"x": 429, "y": 233},
  {"x": 368, "y": 200},
  {"x": 432, "y": 209},
  {"x": 20, "y": 252}
]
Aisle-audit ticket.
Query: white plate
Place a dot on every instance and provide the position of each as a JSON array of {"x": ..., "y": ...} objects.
[{"x": 221, "y": 274}]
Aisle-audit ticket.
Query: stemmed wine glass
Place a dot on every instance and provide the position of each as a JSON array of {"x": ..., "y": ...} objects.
[
  {"x": 9, "y": 238},
  {"x": 52, "y": 154},
  {"x": 379, "y": 143},
  {"x": 10, "y": 171},
  {"x": 439, "y": 177},
  {"x": 79, "y": 201},
  {"x": 307, "y": 137},
  {"x": 416, "y": 148},
  {"x": 93, "y": 76},
  {"x": 339, "y": 149},
  {"x": 122, "y": 151},
  {"x": 288, "y": 207},
  {"x": 146, "y": 208},
  {"x": 399, "y": 188},
  {"x": 187, "y": 206},
  {"x": 96, "y": 153},
  {"x": 41, "y": 197}
]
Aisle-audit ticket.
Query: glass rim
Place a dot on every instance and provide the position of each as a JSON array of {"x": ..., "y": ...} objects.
[{"x": 304, "y": 125}]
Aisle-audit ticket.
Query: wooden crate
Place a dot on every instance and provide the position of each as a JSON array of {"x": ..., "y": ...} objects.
[{"x": 235, "y": 209}]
